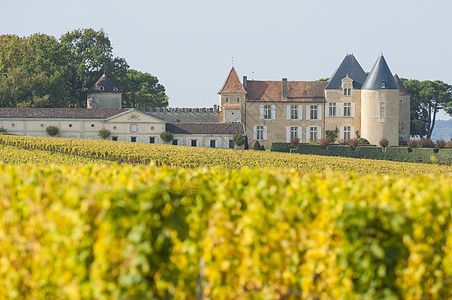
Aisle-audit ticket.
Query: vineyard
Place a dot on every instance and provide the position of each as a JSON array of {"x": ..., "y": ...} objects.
[
  {"x": 192, "y": 157},
  {"x": 111, "y": 220}
]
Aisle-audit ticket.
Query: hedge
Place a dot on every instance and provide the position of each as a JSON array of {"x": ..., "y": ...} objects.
[{"x": 397, "y": 153}]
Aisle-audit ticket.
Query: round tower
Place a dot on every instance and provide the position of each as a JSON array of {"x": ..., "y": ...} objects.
[
  {"x": 104, "y": 94},
  {"x": 380, "y": 105}
]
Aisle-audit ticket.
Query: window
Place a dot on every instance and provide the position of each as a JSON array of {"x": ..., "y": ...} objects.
[
  {"x": 101, "y": 88},
  {"x": 382, "y": 109},
  {"x": 194, "y": 143},
  {"x": 175, "y": 142},
  {"x": 294, "y": 112},
  {"x": 347, "y": 92},
  {"x": 152, "y": 139},
  {"x": 133, "y": 127},
  {"x": 227, "y": 99},
  {"x": 92, "y": 125},
  {"x": 259, "y": 132},
  {"x": 313, "y": 133},
  {"x": 332, "y": 110},
  {"x": 293, "y": 132},
  {"x": 42, "y": 125},
  {"x": 70, "y": 125},
  {"x": 347, "y": 109},
  {"x": 313, "y": 112},
  {"x": 212, "y": 143},
  {"x": 347, "y": 133},
  {"x": 114, "y": 138},
  {"x": 383, "y": 84},
  {"x": 267, "y": 112},
  {"x": 133, "y": 139},
  {"x": 231, "y": 143},
  {"x": 238, "y": 99}
]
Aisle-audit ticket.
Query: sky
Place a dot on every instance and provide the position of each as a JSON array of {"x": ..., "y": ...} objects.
[{"x": 190, "y": 46}]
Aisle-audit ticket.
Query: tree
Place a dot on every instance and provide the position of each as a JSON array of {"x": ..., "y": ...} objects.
[
  {"x": 52, "y": 130},
  {"x": 239, "y": 139},
  {"x": 332, "y": 134},
  {"x": 427, "y": 99},
  {"x": 143, "y": 90},
  {"x": 104, "y": 133},
  {"x": 90, "y": 55},
  {"x": 166, "y": 136}
]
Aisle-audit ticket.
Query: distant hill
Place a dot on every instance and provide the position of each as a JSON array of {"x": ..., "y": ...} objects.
[{"x": 442, "y": 130}]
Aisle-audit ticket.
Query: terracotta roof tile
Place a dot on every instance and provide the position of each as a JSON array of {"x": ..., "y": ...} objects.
[
  {"x": 60, "y": 113},
  {"x": 303, "y": 91},
  {"x": 402, "y": 89},
  {"x": 232, "y": 84},
  {"x": 204, "y": 128}
]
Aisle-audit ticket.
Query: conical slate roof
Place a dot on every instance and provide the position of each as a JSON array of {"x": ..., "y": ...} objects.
[
  {"x": 380, "y": 78},
  {"x": 104, "y": 85},
  {"x": 402, "y": 89},
  {"x": 351, "y": 67},
  {"x": 232, "y": 84}
]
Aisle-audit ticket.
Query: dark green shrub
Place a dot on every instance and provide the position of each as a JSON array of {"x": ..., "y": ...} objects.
[
  {"x": 52, "y": 130},
  {"x": 239, "y": 139},
  {"x": 332, "y": 134},
  {"x": 257, "y": 146},
  {"x": 281, "y": 147},
  {"x": 166, "y": 136},
  {"x": 104, "y": 133}
]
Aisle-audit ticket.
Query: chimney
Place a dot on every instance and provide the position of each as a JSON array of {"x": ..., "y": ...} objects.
[
  {"x": 284, "y": 88},
  {"x": 245, "y": 82}
]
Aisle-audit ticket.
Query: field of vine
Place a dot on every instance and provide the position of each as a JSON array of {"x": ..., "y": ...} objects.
[
  {"x": 191, "y": 157},
  {"x": 85, "y": 219},
  {"x": 143, "y": 232}
]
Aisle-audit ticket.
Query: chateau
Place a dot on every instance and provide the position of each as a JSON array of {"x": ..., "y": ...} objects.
[{"x": 375, "y": 106}]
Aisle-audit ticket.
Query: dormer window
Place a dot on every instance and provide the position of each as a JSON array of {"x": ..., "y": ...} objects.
[
  {"x": 347, "y": 85},
  {"x": 101, "y": 88},
  {"x": 383, "y": 84},
  {"x": 115, "y": 89}
]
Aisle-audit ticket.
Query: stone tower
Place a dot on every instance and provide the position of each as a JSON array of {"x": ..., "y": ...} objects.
[
  {"x": 404, "y": 111},
  {"x": 232, "y": 99},
  {"x": 380, "y": 105},
  {"x": 104, "y": 94}
]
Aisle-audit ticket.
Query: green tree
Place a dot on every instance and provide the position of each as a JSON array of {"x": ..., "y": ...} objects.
[
  {"x": 427, "y": 99},
  {"x": 104, "y": 133},
  {"x": 52, "y": 130},
  {"x": 239, "y": 139},
  {"x": 90, "y": 55},
  {"x": 143, "y": 90},
  {"x": 166, "y": 136}
]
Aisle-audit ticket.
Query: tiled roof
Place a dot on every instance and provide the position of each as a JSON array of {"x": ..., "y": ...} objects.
[
  {"x": 351, "y": 67},
  {"x": 232, "y": 84},
  {"x": 204, "y": 128},
  {"x": 402, "y": 89},
  {"x": 380, "y": 77},
  {"x": 303, "y": 91},
  {"x": 60, "y": 113},
  {"x": 104, "y": 85}
]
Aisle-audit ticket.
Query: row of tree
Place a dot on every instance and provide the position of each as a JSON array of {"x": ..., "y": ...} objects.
[{"x": 42, "y": 71}]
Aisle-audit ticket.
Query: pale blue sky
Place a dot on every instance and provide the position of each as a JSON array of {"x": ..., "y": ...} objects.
[{"x": 188, "y": 45}]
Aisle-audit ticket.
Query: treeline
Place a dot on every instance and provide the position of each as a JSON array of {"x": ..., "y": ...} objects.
[{"x": 43, "y": 71}]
